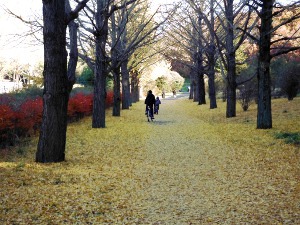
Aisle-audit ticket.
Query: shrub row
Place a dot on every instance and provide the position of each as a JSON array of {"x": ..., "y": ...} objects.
[{"x": 21, "y": 119}]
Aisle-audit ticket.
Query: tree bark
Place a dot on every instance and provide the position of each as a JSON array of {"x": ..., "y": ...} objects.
[
  {"x": 211, "y": 77},
  {"x": 101, "y": 34},
  {"x": 211, "y": 59},
  {"x": 117, "y": 89},
  {"x": 135, "y": 91},
  {"x": 195, "y": 78},
  {"x": 264, "y": 113},
  {"x": 126, "y": 98},
  {"x": 199, "y": 65},
  {"x": 52, "y": 140},
  {"x": 73, "y": 56},
  {"x": 116, "y": 65},
  {"x": 201, "y": 89},
  {"x": 231, "y": 64}
]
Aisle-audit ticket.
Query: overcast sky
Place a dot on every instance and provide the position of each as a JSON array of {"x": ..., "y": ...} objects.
[
  {"x": 12, "y": 45},
  {"x": 11, "y": 30}
]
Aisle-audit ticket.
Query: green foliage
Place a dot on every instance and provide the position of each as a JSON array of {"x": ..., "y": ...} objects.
[
  {"x": 186, "y": 85},
  {"x": 161, "y": 83},
  {"x": 87, "y": 77},
  {"x": 290, "y": 138},
  {"x": 176, "y": 85},
  {"x": 241, "y": 57},
  {"x": 30, "y": 92},
  {"x": 16, "y": 98},
  {"x": 285, "y": 75},
  {"x": 84, "y": 90}
]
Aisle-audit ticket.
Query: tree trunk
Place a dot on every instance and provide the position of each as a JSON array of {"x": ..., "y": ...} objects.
[
  {"x": 231, "y": 65},
  {"x": 126, "y": 99},
  {"x": 52, "y": 140},
  {"x": 211, "y": 86},
  {"x": 264, "y": 113},
  {"x": 231, "y": 93},
  {"x": 196, "y": 88},
  {"x": 191, "y": 95},
  {"x": 211, "y": 59},
  {"x": 100, "y": 67},
  {"x": 199, "y": 64},
  {"x": 73, "y": 56},
  {"x": 135, "y": 92},
  {"x": 201, "y": 89},
  {"x": 115, "y": 65},
  {"x": 132, "y": 86},
  {"x": 117, "y": 89},
  {"x": 195, "y": 80}
]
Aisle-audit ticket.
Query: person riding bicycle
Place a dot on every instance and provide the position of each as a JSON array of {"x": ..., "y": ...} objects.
[{"x": 150, "y": 101}]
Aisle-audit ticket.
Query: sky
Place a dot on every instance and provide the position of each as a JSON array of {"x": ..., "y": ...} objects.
[{"x": 12, "y": 46}]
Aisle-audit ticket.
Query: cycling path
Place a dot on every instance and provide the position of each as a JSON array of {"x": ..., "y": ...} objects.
[
  {"x": 180, "y": 169},
  {"x": 190, "y": 175}
]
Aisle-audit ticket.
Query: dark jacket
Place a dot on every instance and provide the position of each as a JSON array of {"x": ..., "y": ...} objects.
[{"x": 150, "y": 100}]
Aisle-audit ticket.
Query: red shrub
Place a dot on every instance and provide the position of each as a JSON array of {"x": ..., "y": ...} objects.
[
  {"x": 30, "y": 114},
  {"x": 80, "y": 105},
  {"x": 6, "y": 117},
  {"x": 109, "y": 99},
  {"x": 6, "y": 122}
]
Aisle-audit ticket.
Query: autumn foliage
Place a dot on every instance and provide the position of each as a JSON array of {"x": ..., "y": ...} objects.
[
  {"x": 20, "y": 119},
  {"x": 189, "y": 166}
]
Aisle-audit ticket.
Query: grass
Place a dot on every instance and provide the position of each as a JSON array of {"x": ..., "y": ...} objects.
[{"x": 290, "y": 138}]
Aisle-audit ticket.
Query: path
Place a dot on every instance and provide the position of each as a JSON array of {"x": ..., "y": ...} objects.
[
  {"x": 190, "y": 176},
  {"x": 181, "y": 169}
]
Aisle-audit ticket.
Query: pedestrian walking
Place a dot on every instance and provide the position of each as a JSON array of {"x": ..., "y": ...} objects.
[{"x": 156, "y": 106}]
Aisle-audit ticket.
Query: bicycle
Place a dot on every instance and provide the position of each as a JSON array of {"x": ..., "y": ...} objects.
[{"x": 148, "y": 114}]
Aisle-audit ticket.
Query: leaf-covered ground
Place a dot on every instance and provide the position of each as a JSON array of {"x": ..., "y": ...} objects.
[{"x": 190, "y": 166}]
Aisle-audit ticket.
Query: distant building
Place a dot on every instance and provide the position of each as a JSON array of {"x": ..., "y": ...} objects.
[{"x": 7, "y": 86}]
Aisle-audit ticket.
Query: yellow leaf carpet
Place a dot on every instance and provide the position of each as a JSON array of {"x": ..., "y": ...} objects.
[{"x": 190, "y": 166}]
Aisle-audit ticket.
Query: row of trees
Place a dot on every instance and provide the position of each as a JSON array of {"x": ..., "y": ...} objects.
[
  {"x": 119, "y": 37},
  {"x": 216, "y": 35},
  {"x": 113, "y": 38}
]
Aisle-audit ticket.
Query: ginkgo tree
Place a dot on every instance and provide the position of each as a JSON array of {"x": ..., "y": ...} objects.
[
  {"x": 126, "y": 26},
  {"x": 57, "y": 84},
  {"x": 270, "y": 46},
  {"x": 185, "y": 47}
]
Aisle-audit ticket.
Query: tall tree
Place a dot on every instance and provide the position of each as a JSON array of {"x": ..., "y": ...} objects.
[
  {"x": 234, "y": 16},
  {"x": 211, "y": 58},
  {"x": 115, "y": 64},
  {"x": 101, "y": 33},
  {"x": 57, "y": 86},
  {"x": 185, "y": 47},
  {"x": 136, "y": 28},
  {"x": 231, "y": 63},
  {"x": 206, "y": 12},
  {"x": 199, "y": 63},
  {"x": 264, "y": 114},
  {"x": 104, "y": 10},
  {"x": 120, "y": 49},
  {"x": 267, "y": 52}
]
